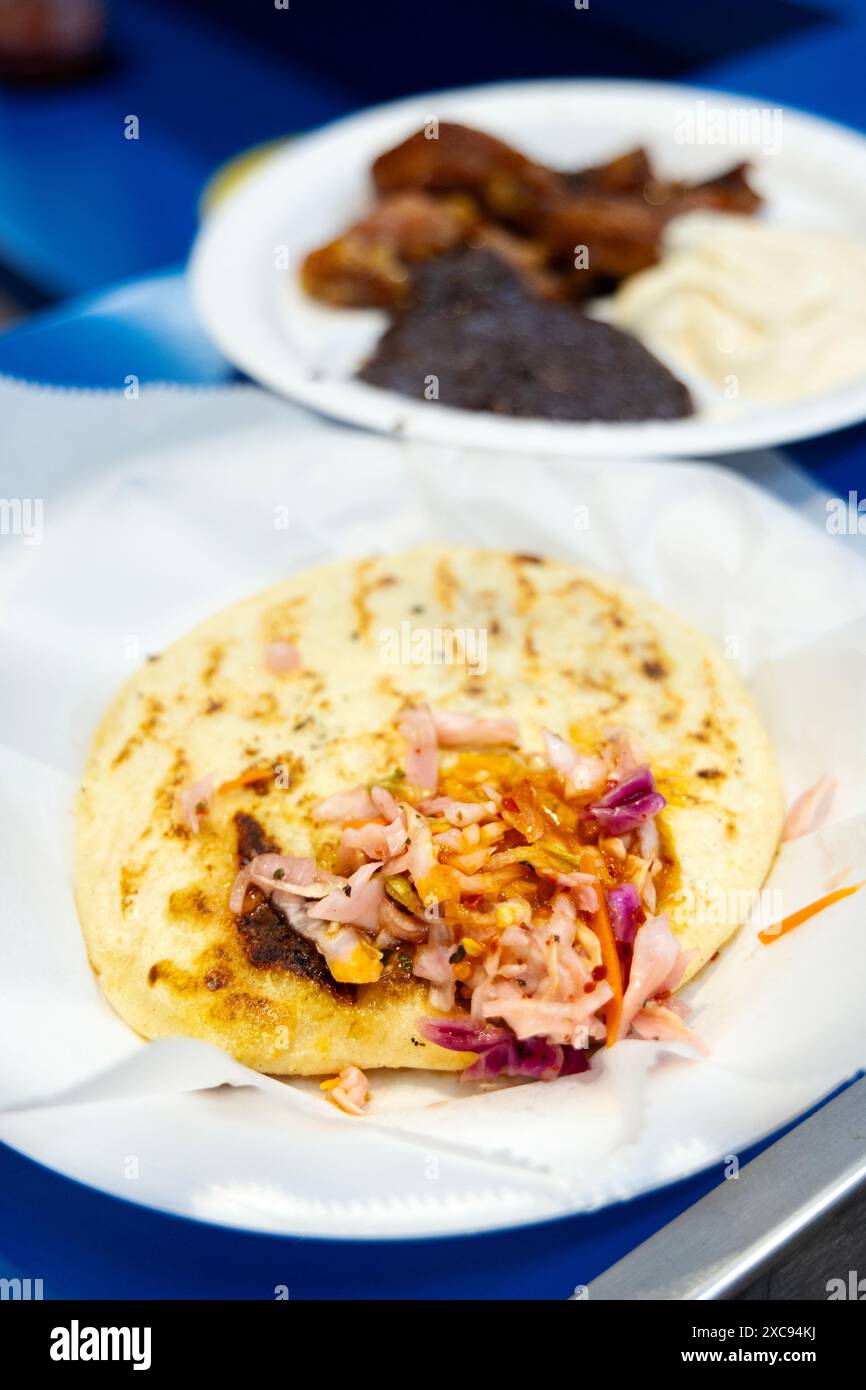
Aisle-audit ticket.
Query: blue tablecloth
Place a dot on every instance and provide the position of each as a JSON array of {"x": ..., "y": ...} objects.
[{"x": 80, "y": 1242}]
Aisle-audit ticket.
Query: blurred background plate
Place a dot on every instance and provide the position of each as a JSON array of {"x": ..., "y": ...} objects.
[{"x": 245, "y": 261}]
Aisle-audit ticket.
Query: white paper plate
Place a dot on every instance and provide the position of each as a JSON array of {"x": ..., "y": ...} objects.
[
  {"x": 158, "y": 512},
  {"x": 304, "y": 194}
]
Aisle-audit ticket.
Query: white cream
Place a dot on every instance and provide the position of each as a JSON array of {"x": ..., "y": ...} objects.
[{"x": 759, "y": 311}]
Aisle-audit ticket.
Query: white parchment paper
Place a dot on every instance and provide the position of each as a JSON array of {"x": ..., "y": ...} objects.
[{"x": 157, "y": 512}]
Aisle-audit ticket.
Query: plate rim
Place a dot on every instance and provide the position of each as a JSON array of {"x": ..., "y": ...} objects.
[{"x": 398, "y": 1238}]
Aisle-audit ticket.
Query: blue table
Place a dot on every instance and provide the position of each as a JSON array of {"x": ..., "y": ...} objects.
[{"x": 83, "y": 1244}]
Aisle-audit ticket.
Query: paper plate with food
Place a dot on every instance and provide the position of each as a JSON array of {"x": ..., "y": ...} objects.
[
  {"x": 404, "y": 857},
  {"x": 569, "y": 267}
]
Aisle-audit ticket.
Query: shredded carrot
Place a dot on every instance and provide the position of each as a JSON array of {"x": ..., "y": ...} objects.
[
  {"x": 600, "y": 924},
  {"x": 592, "y": 862},
  {"x": 771, "y": 934},
  {"x": 246, "y": 779}
]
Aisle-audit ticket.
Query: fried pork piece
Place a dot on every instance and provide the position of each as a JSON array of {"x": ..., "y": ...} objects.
[
  {"x": 368, "y": 266},
  {"x": 628, "y": 173},
  {"x": 729, "y": 192},
  {"x": 623, "y": 232},
  {"x": 512, "y": 188},
  {"x": 528, "y": 257},
  {"x": 622, "y": 235},
  {"x": 465, "y": 186}
]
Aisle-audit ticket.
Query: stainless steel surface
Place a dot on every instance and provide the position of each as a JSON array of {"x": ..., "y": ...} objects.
[{"x": 732, "y": 1234}]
